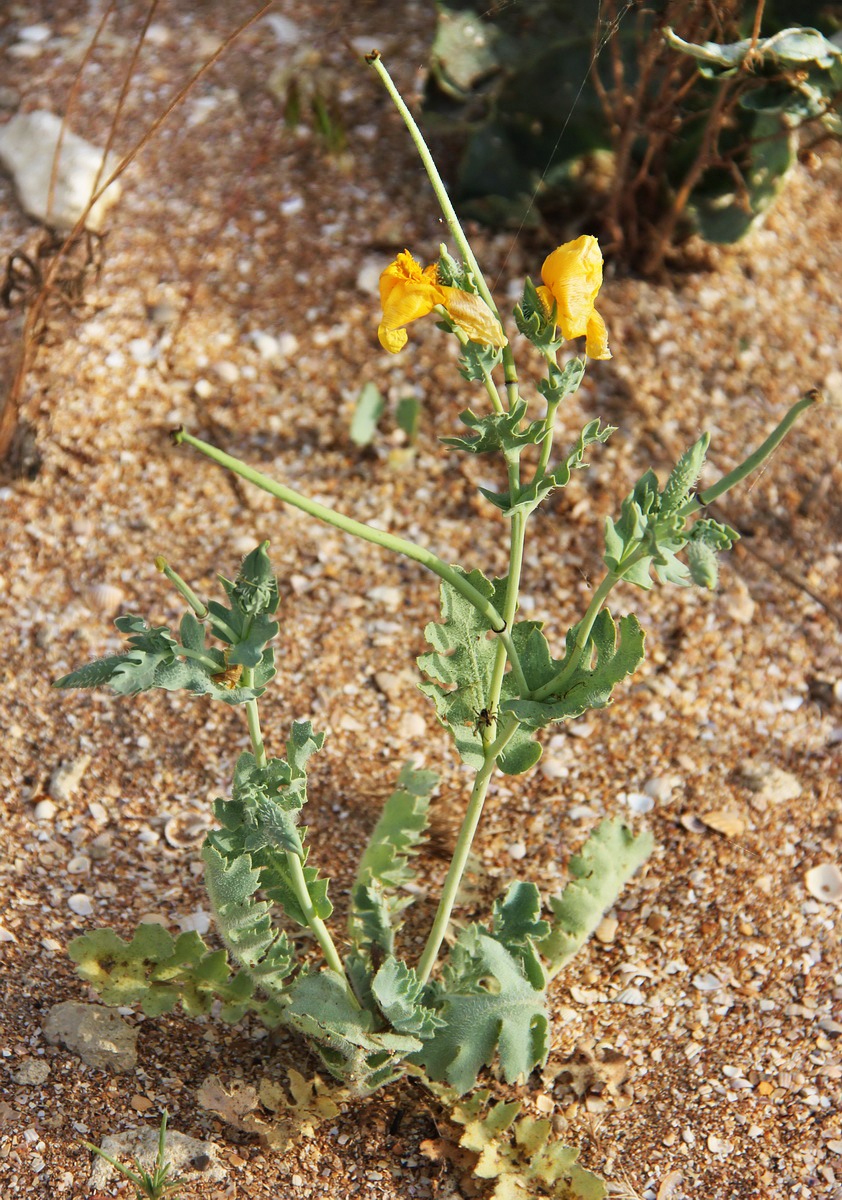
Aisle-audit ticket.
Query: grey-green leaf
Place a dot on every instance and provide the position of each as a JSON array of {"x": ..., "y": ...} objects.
[{"x": 610, "y": 856}]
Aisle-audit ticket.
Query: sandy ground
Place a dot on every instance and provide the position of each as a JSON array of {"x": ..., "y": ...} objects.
[{"x": 720, "y": 986}]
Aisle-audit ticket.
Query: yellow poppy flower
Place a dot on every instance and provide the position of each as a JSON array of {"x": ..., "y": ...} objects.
[
  {"x": 572, "y": 277},
  {"x": 407, "y": 292}
]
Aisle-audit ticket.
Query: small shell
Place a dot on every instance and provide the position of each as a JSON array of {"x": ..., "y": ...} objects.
[
  {"x": 186, "y": 830},
  {"x": 724, "y": 822},
  {"x": 106, "y": 598},
  {"x": 825, "y": 883}
]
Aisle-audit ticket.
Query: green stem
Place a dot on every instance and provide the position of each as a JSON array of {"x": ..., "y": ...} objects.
[
  {"x": 199, "y": 608},
  {"x": 197, "y": 656},
  {"x": 296, "y": 870},
  {"x": 510, "y": 371},
  {"x": 754, "y": 460},
  {"x": 547, "y": 443},
  {"x": 582, "y": 634},
  {"x": 368, "y": 533},
  {"x": 490, "y": 385},
  {"x": 491, "y": 752},
  {"x": 460, "y": 854}
]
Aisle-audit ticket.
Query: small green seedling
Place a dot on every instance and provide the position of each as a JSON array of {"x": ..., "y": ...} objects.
[{"x": 154, "y": 1186}]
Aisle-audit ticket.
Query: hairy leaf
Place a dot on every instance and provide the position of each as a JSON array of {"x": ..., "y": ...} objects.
[
  {"x": 498, "y": 432},
  {"x": 610, "y": 856},
  {"x": 530, "y": 495},
  {"x": 343, "y": 1035},
  {"x": 245, "y": 924},
  {"x": 461, "y": 667},
  {"x": 384, "y": 870},
  {"x": 605, "y": 662},
  {"x": 158, "y": 972},
  {"x": 488, "y": 1006},
  {"x": 396, "y": 988},
  {"x": 153, "y": 662}
]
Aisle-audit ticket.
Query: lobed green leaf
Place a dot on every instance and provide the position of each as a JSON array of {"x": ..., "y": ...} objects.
[{"x": 609, "y": 858}]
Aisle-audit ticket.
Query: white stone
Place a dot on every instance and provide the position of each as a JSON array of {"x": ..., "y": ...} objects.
[
  {"x": 44, "y": 810},
  {"x": 80, "y": 904},
  {"x": 66, "y": 778},
  {"x": 100, "y": 1037},
  {"x": 27, "y": 149},
  {"x": 35, "y": 33},
  {"x": 199, "y": 921},
  {"x": 141, "y": 1144},
  {"x": 286, "y": 31}
]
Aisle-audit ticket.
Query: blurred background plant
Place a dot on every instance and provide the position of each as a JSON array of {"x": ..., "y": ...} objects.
[{"x": 614, "y": 109}]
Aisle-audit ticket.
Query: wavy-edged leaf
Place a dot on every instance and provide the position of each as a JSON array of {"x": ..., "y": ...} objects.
[
  {"x": 489, "y": 1007},
  {"x": 498, "y": 432},
  {"x": 461, "y": 667},
  {"x": 611, "y": 654},
  {"x": 245, "y": 924},
  {"x": 343, "y": 1035},
  {"x": 530, "y": 495},
  {"x": 384, "y": 870},
  {"x": 158, "y": 972},
  {"x": 609, "y": 858},
  {"x": 396, "y": 989}
]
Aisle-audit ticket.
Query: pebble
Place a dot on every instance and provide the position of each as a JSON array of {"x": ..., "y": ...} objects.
[
  {"x": 34, "y": 33},
  {"x": 228, "y": 372},
  {"x": 141, "y": 1144},
  {"x": 390, "y": 683},
  {"x": 659, "y": 787},
  {"x": 285, "y": 30},
  {"x": 27, "y": 149},
  {"x": 67, "y": 776},
  {"x": 107, "y": 598},
  {"x": 640, "y": 802},
  {"x": 44, "y": 810},
  {"x": 517, "y": 850},
  {"x": 100, "y": 848},
  {"x": 412, "y": 725},
  {"x": 80, "y": 904},
  {"x": 551, "y": 767},
  {"x": 80, "y": 864},
  {"x": 203, "y": 389},
  {"x": 722, "y": 821},
  {"x": 32, "y": 1071},
  {"x": 199, "y": 921},
  {"x": 769, "y": 783},
  {"x": 368, "y": 276},
  {"x": 390, "y": 598},
  {"x": 142, "y": 351},
  {"x": 606, "y": 930},
  {"x": 100, "y": 1037},
  {"x": 6, "y": 935}
]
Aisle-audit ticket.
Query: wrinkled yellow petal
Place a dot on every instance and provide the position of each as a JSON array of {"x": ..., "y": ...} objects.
[
  {"x": 572, "y": 275},
  {"x": 392, "y": 340},
  {"x": 597, "y": 344},
  {"x": 546, "y": 298},
  {"x": 474, "y": 317},
  {"x": 407, "y": 303},
  {"x": 406, "y": 293}
]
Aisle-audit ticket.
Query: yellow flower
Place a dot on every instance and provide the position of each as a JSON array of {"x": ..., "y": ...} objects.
[
  {"x": 407, "y": 292},
  {"x": 572, "y": 276}
]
